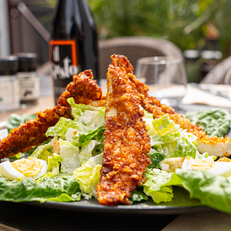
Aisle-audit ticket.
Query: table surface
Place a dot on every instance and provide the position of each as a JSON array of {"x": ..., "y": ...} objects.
[{"x": 22, "y": 216}]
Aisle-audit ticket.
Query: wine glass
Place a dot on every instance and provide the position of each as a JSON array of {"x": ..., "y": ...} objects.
[{"x": 165, "y": 76}]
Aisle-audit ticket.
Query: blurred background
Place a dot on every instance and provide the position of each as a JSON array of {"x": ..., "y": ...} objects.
[{"x": 200, "y": 28}]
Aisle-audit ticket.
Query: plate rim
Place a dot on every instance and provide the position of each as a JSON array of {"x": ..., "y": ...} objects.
[
  {"x": 125, "y": 209},
  {"x": 131, "y": 209}
]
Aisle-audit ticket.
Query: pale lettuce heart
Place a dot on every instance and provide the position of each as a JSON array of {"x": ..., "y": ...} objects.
[
  {"x": 159, "y": 185},
  {"x": 91, "y": 117},
  {"x": 88, "y": 174},
  {"x": 70, "y": 155},
  {"x": 86, "y": 151}
]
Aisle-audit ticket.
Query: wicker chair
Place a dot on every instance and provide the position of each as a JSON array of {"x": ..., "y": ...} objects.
[
  {"x": 217, "y": 74},
  {"x": 134, "y": 48}
]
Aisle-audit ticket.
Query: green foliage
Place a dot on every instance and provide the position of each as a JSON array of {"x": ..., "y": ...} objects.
[{"x": 181, "y": 21}]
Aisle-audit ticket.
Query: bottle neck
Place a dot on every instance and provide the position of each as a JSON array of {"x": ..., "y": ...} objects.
[{"x": 71, "y": 18}]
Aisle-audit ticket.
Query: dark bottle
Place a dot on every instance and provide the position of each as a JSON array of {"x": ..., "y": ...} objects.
[{"x": 73, "y": 46}]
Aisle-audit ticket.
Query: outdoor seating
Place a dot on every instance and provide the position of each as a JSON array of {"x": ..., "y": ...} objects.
[
  {"x": 217, "y": 74},
  {"x": 134, "y": 48}
]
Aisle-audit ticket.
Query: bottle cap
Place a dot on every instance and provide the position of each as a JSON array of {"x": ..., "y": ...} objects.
[
  {"x": 27, "y": 62},
  {"x": 8, "y": 65}
]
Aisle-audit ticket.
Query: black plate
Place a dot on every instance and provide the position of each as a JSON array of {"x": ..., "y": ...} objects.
[
  {"x": 142, "y": 208},
  {"x": 181, "y": 202}
]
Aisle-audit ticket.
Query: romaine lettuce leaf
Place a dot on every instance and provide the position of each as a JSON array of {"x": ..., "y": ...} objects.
[
  {"x": 91, "y": 117},
  {"x": 32, "y": 190},
  {"x": 164, "y": 125},
  {"x": 172, "y": 140},
  {"x": 211, "y": 190},
  {"x": 156, "y": 159},
  {"x": 149, "y": 126},
  {"x": 64, "y": 197},
  {"x": 15, "y": 120},
  {"x": 86, "y": 151},
  {"x": 82, "y": 139},
  {"x": 94, "y": 119},
  {"x": 185, "y": 148},
  {"x": 70, "y": 156},
  {"x": 86, "y": 119},
  {"x": 88, "y": 174},
  {"x": 63, "y": 125},
  {"x": 78, "y": 109},
  {"x": 137, "y": 196},
  {"x": 215, "y": 122},
  {"x": 159, "y": 185},
  {"x": 54, "y": 163},
  {"x": 44, "y": 151}
]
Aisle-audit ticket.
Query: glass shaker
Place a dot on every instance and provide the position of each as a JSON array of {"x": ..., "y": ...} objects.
[
  {"x": 28, "y": 79},
  {"x": 9, "y": 84}
]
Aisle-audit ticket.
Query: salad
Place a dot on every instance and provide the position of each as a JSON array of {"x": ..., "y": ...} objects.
[{"x": 67, "y": 167}]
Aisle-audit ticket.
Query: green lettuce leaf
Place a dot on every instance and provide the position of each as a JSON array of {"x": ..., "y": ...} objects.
[
  {"x": 215, "y": 122},
  {"x": 82, "y": 139},
  {"x": 64, "y": 197},
  {"x": 32, "y": 190},
  {"x": 54, "y": 163},
  {"x": 92, "y": 117},
  {"x": 15, "y": 120},
  {"x": 86, "y": 119},
  {"x": 164, "y": 125},
  {"x": 86, "y": 151},
  {"x": 44, "y": 151},
  {"x": 61, "y": 128},
  {"x": 137, "y": 196},
  {"x": 78, "y": 109},
  {"x": 185, "y": 148},
  {"x": 156, "y": 158},
  {"x": 159, "y": 185},
  {"x": 172, "y": 140},
  {"x": 210, "y": 189},
  {"x": 88, "y": 174}
]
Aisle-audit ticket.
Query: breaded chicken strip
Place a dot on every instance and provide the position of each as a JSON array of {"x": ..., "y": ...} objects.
[
  {"x": 32, "y": 133},
  {"x": 152, "y": 104},
  {"x": 217, "y": 146},
  {"x": 83, "y": 89},
  {"x": 126, "y": 142}
]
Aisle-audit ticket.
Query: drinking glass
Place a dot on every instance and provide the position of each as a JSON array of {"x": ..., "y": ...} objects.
[{"x": 165, "y": 76}]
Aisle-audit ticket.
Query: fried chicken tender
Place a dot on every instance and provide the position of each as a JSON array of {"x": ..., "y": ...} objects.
[
  {"x": 32, "y": 133},
  {"x": 83, "y": 89},
  {"x": 126, "y": 142},
  {"x": 152, "y": 104},
  {"x": 217, "y": 146}
]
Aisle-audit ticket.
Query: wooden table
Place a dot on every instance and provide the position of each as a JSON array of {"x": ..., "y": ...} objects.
[{"x": 43, "y": 103}]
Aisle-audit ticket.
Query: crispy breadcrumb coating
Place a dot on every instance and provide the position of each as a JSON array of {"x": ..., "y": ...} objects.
[
  {"x": 32, "y": 133},
  {"x": 126, "y": 142},
  {"x": 83, "y": 89},
  {"x": 154, "y": 106}
]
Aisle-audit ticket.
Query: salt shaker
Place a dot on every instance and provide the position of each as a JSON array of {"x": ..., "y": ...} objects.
[
  {"x": 28, "y": 79},
  {"x": 9, "y": 84}
]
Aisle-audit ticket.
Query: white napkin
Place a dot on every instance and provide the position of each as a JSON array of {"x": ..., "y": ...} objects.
[{"x": 196, "y": 96}]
